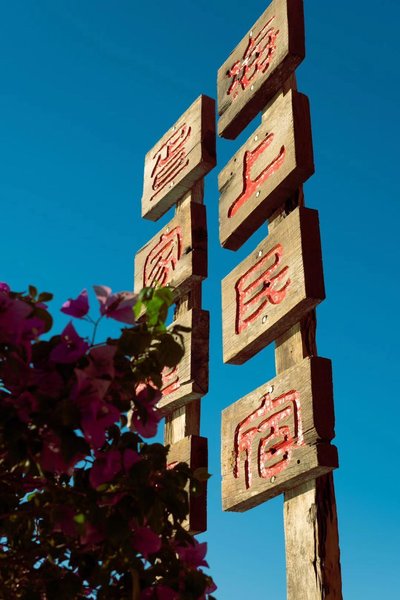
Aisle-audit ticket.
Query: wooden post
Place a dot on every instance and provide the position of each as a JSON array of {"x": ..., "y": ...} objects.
[
  {"x": 177, "y": 257},
  {"x": 185, "y": 421},
  {"x": 310, "y": 517}
]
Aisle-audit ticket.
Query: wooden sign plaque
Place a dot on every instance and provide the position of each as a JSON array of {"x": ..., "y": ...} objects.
[
  {"x": 274, "y": 287},
  {"x": 189, "y": 379},
  {"x": 277, "y": 437},
  {"x": 177, "y": 255},
  {"x": 183, "y": 156},
  {"x": 193, "y": 451},
  {"x": 267, "y": 169},
  {"x": 259, "y": 66}
]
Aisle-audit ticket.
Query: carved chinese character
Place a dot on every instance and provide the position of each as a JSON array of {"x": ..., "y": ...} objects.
[
  {"x": 258, "y": 286},
  {"x": 250, "y": 184},
  {"x": 273, "y": 287},
  {"x": 278, "y": 436},
  {"x": 170, "y": 160},
  {"x": 177, "y": 255},
  {"x": 162, "y": 259},
  {"x": 256, "y": 59},
  {"x": 170, "y": 381},
  {"x": 180, "y": 159},
  {"x": 266, "y": 170},
  {"x": 272, "y": 431},
  {"x": 260, "y": 65}
]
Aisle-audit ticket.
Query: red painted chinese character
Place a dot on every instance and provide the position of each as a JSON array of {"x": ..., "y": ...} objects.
[
  {"x": 280, "y": 419},
  {"x": 256, "y": 59},
  {"x": 258, "y": 286},
  {"x": 250, "y": 185},
  {"x": 171, "y": 159},
  {"x": 170, "y": 381},
  {"x": 163, "y": 258}
]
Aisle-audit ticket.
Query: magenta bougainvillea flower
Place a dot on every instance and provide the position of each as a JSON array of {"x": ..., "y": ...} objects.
[
  {"x": 4, "y": 287},
  {"x": 118, "y": 306},
  {"x": 13, "y": 316},
  {"x": 193, "y": 555},
  {"x": 108, "y": 464},
  {"x": 161, "y": 592},
  {"x": 145, "y": 419},
  {"x": 71, "y": 346},
  {"x": 92, "y": 535},
  {"x": 64, "y": 520},
  {"x": 77, "y": 307},
  {"x": 101, "y": 362},
  {"x": 26, "y": 404},
  {"x": 96, "y": 413},
  {"x": 105, "y": 467},
  {"x": 145, "y": 541},
  {"x": 51, "y": 457}
]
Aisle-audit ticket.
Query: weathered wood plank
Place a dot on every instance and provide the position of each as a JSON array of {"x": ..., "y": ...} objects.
[
  {"x": 312, "y": 541},
  {"x": 177, "y": 255},
  {"x": 274, "y": 287},
  {"x": 259, "y": 65},
  {"x": 193, "y": 450},
  {"x": 311, "y": 526},
  {"x": 189, "y": 379},
  {"x": 181, "y": 158},
  {"x": 278, "y": 436},
  {"x": 266, "y": 170}
]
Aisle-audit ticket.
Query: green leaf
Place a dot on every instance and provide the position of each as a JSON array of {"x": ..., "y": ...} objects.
[
  {"x": 80, "y": 518},
  {"x": 32, "y": 291},
  {"x": 45, "y": 297}
]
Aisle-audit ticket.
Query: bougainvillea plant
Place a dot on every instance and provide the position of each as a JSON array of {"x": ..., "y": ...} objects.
[{"x": 87, "y": 508}]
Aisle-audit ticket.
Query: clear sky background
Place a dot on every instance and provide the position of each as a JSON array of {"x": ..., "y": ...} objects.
[{"x": 87, "y": 88}]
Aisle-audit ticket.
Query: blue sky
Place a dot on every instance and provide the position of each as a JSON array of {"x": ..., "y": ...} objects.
[{"x": 87, "y": 89}]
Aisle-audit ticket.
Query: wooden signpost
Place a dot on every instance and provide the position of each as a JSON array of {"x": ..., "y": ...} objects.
[
  {"x": 177, "y": 257},
  {"x": 271, "y": 289},
  {"x": 268, "y": 169},
  {"x": 189, "y": 379},
  {"x": 278, "y": 437},
  {"x": 253, "y": 73},
  {"x": 180, "y": 159}
]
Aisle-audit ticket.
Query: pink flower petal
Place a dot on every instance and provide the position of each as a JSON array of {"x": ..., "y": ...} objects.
[
  {"x": 193, "y": 555},
  {"x": 71, "y": 347},
  {"x": 105, "y": 467},
  {"x": 146, "y": 541},
  {"x": 77, "y": 307},
  {"x": 118, "y": 306}
]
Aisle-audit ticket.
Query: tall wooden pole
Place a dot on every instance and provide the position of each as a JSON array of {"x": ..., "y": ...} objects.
[{"x": 310, "y": 517}]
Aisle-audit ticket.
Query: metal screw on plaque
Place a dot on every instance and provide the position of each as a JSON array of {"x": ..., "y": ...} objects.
[
  {"x": 259, "y": 253},
  {"x": 167, "y": 230},
  {"x": 272, "y": 479},
  {"x": 252, "y": 87},
  {"x": 251, "y": 34},
  {"x": 270, "y": 389},
  {"x": 255, "y": 138},
  {"x": 174, "y": 127},
  {"x": 264, "y": 319},
  {"x": 257, "y": 193}
]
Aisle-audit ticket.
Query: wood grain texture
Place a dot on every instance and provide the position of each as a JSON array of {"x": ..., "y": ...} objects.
[
  {"x": 278, "y": 436},
  {"x": 193, "y": 450},
  {"x": 259, "y": 65},
  {"x": 273, "y": 288},
  {"x": 266, "y": 170},
  {"x": 184, "y": 155},
  {"x": 177, "y": 255},
  {"x": 311, "y": 526},
  {"x": 312, "y": 541},
  {"x": 189, "y": 379},
  {"x": 183, "y": 422}
]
